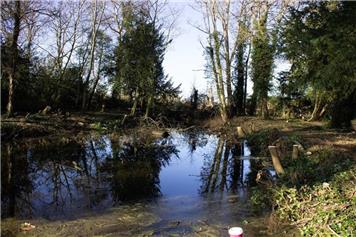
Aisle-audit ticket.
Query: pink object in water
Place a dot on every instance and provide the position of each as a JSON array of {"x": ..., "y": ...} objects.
[{"x": 236, "y": 232}]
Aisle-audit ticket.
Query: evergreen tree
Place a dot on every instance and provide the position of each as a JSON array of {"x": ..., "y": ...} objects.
[
  {"x": 320, "y": 41},
  {"x": 139, "y": 58},
  {"x": 262, "y": 65}
]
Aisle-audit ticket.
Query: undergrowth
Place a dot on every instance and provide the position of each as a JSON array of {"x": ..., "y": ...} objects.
[{"x": 317, "y": 194}]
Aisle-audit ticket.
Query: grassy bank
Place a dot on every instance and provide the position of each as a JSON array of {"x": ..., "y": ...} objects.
[{"x": 317, "y": 193}]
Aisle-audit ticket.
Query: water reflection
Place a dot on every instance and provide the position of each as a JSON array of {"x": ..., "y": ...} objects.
[
  {"x": 65, "y": 179},
  {"x": 231, "y": 168},
  {"x": 135, "y": 169}
]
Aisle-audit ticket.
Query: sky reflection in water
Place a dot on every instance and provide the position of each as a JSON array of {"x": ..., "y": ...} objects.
[{"x": 187, "y": 175}]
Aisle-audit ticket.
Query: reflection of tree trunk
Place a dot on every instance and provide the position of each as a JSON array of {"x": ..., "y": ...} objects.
[
  {"x": 9, "y": 183},
  {"x": 56, "y": 184},
  {"x": 86, "y": 170},
  {"x": 235, "y": 172},
  {"x": 224, "y": 168},
  {"x": 96, "y": 159},
  {"x": 216, "y": 158},
  {"x": 242, "y": 152}
]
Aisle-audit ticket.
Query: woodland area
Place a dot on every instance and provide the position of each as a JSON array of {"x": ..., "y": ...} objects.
[{"x": 90, "y": 117}]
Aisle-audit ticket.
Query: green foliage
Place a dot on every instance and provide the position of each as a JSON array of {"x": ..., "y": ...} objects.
[
  {"x": 317, "y": 194},
  {"x": 261, "y": 198},
  {"x": 262, "y": 60},
  {"x": 139, "y": 58},
  {"x": 321, "y": 209},
  {"x": 319, "y": 39},
  {"x": 260, "y": 141}
]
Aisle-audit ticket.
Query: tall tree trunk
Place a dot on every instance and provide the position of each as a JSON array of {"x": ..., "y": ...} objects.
[
  {"x": 97, "y": 78},
  {"x": 220, "y": 89},
  {"x": 95, "y": 29},
  {"x": 253, "y": 103},
  {"x": 134, "y": 106},
  {"x": 245, "y": 78},
  {"x": 149, "y": 105},
  {"x": 240, "y": 80},
  {"x": 317, "y": 107},
  {"x": 264, "y": 107},
  {"x": 14, "y": 57}
]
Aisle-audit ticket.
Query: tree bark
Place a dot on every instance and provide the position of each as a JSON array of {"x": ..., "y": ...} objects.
[
  {"x": 14, "y": 57},
  {"x": 246, "y": 76},
  {"x": 264, "y": 107},
  {"x": 96, "y": 79},
  {"x": 95, "y": 29},
  {"x": 240, "y": 80}
]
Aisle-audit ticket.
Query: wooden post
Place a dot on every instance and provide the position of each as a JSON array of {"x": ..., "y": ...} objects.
[
  {"x": 295, "y": 152},
  {"x": 275, "y": 160},
  {"x": 240, "y": 132}
]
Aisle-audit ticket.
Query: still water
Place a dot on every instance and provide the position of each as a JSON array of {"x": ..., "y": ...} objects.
[{"x": 187, "y": 184}]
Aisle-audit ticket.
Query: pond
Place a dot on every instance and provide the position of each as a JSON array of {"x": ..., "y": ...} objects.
[{"x": 191, "y": 184}]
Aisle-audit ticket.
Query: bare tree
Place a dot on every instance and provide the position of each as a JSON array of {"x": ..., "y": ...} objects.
[
  {"x": 220, "y": 25},
  {"x": 64, "y": 23},
  {"x": 12, "y": 15},
  {"x": 97, "y": 13}
]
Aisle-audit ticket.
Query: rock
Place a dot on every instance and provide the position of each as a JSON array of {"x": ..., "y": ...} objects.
[
  {"x": 326, "y": 185},
  {"x": 308, "y": 153}
]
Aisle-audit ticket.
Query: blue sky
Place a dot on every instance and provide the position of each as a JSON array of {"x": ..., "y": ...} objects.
[{"x": 184, "y": 60}]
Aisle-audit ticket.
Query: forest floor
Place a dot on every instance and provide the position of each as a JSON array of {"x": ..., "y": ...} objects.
[{"x": 314, "y": 135}]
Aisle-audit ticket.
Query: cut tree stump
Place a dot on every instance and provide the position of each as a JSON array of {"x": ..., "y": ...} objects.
[
  {"x": 295, "y": 152},
  {"x": 275, "y": 160},
  {"x": 240, "y": 132}
]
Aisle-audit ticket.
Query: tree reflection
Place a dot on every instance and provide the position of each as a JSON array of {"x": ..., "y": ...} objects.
[
  {"x": 52, "y": 179},
  {"x": 229, "y": 169},
  {"x": 15, "y": 182},
  {"x": 135, "y": 169}
]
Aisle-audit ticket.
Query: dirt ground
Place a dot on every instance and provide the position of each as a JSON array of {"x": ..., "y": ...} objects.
[{"x": 313, "y": 135}]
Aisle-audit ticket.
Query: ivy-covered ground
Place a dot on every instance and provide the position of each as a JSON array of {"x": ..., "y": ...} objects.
[{"x": 317, "y": 193}]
